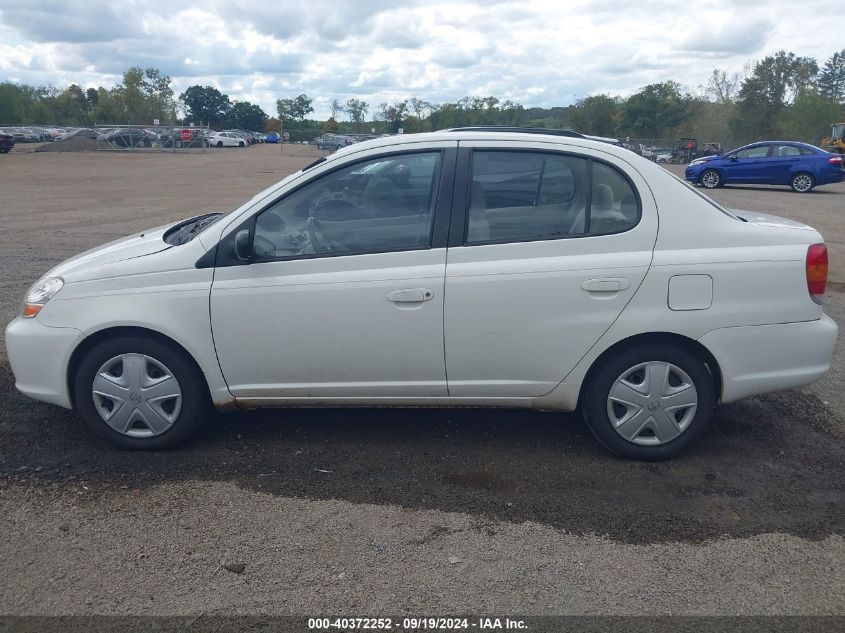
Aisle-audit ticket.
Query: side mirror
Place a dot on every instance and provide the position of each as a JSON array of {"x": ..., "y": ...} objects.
[
  {"x": 733, "y": 158},
  {"x": 243, "y": 247}
]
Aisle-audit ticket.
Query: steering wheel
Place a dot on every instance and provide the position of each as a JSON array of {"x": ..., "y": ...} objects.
[
  {"x": 334, "y": 209},
  {"x": 319, "y": 242},
  {"x": 263, "y": 247}
]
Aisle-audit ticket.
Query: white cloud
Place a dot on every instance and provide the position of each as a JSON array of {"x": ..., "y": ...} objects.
[{"x": 537, "y": 52}]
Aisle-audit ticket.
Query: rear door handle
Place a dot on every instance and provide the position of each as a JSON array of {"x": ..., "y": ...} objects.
[
  {"x": 605, "y": 284},
  {"x": 410, "y": 295}
]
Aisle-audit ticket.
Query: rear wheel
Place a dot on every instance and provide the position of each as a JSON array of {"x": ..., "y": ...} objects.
[
  {"x": 802, "y": 183},
  {"x": 139, "y": 393},
  {"x": 241, "y": 144},
  {"x": 219, "y": 143},
  {"x": 650, "y": 402},
  {"x": 710, "y": 179}
]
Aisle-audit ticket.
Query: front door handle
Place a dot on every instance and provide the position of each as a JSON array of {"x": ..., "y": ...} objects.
[
  {"x": 410, "y": 295},
  {"x": 605, "y": 284}
]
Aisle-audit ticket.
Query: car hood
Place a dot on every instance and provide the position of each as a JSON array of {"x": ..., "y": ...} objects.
[
  {"x": 766, "y": 219},
  {"x": 137, "y": 245}
]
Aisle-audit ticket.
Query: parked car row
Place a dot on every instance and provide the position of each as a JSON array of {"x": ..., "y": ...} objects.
[
  {"x": 31, "y": 134},
  {"x": 134, "y": 137},
  {"x": 652, "y": 152},
  {"x": 333, "y": 141}
]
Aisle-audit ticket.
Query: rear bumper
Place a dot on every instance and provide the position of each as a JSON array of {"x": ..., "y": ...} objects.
[
  {"x": 39, "y": 357},
  {"x": 763, "y": 358},
  {"x": 831, "y": 176}
]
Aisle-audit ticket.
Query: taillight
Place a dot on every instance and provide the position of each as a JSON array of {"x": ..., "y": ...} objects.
[
  {"x": 816, "y": 271},
  {"x": 836, "y": 160}
]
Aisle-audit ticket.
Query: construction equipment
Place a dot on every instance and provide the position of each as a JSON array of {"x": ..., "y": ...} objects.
[
  {"x": 710, "y": 149},
  {"x": 836, "y": 142},
  {"x": 684, "y": 150}
]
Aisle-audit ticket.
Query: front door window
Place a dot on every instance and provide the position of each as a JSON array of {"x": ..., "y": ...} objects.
[{"x": 376, "y": 206}]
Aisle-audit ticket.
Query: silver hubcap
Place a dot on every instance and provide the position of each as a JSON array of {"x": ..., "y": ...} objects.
[
  {"x": 137, "y": 395},
  {"x": 802, "y": 183},
  {"x": 710, "y": 179},
  {"x": 652, "y": 403}
]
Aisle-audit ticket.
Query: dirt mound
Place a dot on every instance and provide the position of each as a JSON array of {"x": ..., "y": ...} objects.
[{"x": 76, "y": 144}]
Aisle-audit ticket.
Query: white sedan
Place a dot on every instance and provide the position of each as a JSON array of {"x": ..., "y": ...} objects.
[
  {"x": 458, "y": 268},
  {"x": 225, "y": 139}
]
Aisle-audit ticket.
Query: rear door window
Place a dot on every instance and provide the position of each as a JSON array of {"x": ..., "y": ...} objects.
[{"x": 527, "y": 196}]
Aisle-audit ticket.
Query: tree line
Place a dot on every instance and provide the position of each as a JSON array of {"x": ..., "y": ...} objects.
[
  {"x": 142, "y": 97},
  {"x": 781, "y": 96}
]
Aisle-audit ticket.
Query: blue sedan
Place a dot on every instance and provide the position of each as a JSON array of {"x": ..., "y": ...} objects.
[{"x": 799, "y": 165}]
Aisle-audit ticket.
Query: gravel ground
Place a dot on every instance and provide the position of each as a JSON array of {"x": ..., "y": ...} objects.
[{"x": 396, "y": 511}]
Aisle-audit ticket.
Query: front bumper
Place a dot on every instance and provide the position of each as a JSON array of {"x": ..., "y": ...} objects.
[
  {"x": 39, "y": 357},
  {"x": 762, "y": 358},
  {"x": 691, "y": 174}
]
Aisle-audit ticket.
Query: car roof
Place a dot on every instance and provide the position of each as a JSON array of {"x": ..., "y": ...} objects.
[
  {"x": 779, "y": 143},
  {"x": 793, "y": 143},
  {"x": 469, "y": 134}
]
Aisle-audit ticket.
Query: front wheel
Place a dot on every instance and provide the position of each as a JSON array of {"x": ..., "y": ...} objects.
[
  {"x": 138, "y": 393},
  {"x": 650, "y": 402},
  {"x": 710, "y": 179},
  {"x": 241, "y": 144},
  {"x": 802, "y": 183}
]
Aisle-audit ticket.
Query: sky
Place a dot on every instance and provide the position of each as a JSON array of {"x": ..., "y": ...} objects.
[{"x": 535, "y": 52}]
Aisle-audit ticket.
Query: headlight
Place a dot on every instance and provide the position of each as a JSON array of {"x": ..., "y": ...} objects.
[
  {"x": 697, "y": 162},
  {"x": 39, "y": 294}
]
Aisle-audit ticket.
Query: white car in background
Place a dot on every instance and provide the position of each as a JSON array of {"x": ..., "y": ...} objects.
[
  {"x": 226, "y": 139},
  {"x": 457, "y": 268}
]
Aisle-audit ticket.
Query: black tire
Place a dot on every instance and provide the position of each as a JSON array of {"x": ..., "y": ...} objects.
[
  {"x": 798, "y": 183},
  {"x": 320, "y": 147},
  {"x": 595, "y": 409},
  {"x": 195, "y": 397},
  {"x": 219, "y": 143},
  {"x": 338, "y": 147},
  {"x": 241, "y": 144},
  {"x": 713, "y": 179}
]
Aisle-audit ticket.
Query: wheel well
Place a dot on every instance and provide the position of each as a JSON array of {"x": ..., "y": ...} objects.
[
  {"x": 658, "y": 338},
  {"x": 114, "y": 332}
]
